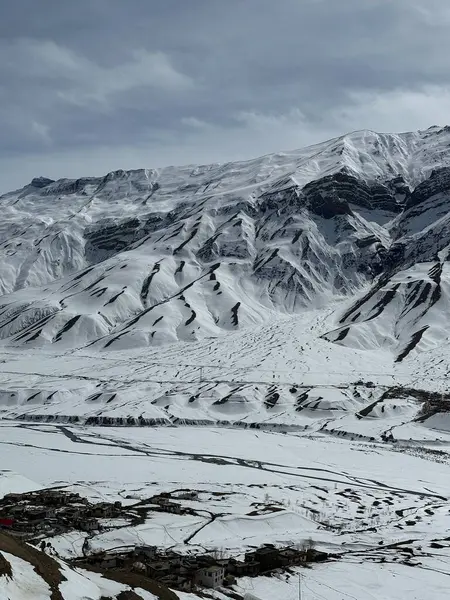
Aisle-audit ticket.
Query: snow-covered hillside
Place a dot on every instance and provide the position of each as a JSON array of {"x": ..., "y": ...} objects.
[
  {"x": 27, "y": 573},
  {"x": 383, "y": 513},
  {"x": 251, "y": 292},
  {"x": 150, "y": 257}
]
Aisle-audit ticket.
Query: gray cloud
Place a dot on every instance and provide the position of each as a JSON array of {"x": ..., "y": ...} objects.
[{"x": 90, "y": 86}]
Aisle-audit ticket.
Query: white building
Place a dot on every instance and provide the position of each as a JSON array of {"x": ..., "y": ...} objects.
[{"x": 211, "y": 577}]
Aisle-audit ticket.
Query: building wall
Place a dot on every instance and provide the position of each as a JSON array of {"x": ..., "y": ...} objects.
[{"x": 212, "y": 578}]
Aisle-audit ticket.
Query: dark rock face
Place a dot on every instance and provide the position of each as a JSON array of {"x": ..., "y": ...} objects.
[
  {"x": 69, "y": 186},
  {"x": 395, "y": 257},
  {"x": 275, "y": 221},
  {"x": 333, "y": 195},
  {"x": 329, "y": 198},
  {"x": 41, "y": 182},
  {"x": 438, "y": 182},
  {"x": 119, "y": 174},
  {"x": 286, "y": 201},
  {"x": 324, "y": 201},
  {"x": 401, "y": 190},
  {"x": 110, "y": 239}
]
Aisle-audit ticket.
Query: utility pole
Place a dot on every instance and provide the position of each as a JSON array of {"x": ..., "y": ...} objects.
[
  {"x": 299, "y": 587},
  {"x": 201, "y": 373}
]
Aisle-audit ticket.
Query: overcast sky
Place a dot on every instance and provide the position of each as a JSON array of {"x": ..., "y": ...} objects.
[{"x": 89, "y": 86}]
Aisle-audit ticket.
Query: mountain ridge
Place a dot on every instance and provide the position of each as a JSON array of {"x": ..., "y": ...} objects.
[{"x": 149, "y": 257}]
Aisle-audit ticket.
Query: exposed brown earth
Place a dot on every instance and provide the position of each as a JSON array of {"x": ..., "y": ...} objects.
[
  {"x": 49, "y": 569},
  {"x": 5, "y": 567},
  {"x": 45, "y": 566}
]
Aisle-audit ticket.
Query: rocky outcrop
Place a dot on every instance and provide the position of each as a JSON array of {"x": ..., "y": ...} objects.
[
  {"x": 41, "y": 182},
  {"x": 108, "y": 239},
  {"x": 333, "y": 195},
  {"x": 438, "y": 183}
]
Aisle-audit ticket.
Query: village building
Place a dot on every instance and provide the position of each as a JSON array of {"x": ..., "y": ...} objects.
[
  {"x": 267, "y": 556},
  {"x": 157, "y": 570},
  {"x": 313, "y": 555},
  {"x": 187, "y": 495},
  {"x": 71, "y": 513},
  {"x": 38, "y": 514},
  {"x": 189, "y": 564},
  {"x": 87, "y": 524},
  {"x": 159, "y": 498},
  {"x": 170, "y": 507},
  {"x": 109, "y": 562},
  {"x": 103, "y": 510},
  {"x": 54, "y": 511},
  {"x": 174, "y": 557},
  {"x": 177, "y": 509},
  {"x": 12, "y": 498},
  {"x": 242, "y": 569},
  {"x": 210, "y": 577},
  {"x": 52, "y": 498},
  {"x": 16, "y": 511},
  {"x": 145, "y": 552},
  {"x": 290, "y": 556},
  {"x": 21, "y": 526}
]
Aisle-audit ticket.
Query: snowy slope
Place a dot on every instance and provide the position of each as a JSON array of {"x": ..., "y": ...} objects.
[
  {"x": 29, "y": 574},
  {"x": 266, "y": 292},
  {"x": 384, "y": 512},
  {"x": 151, "y": 257}
]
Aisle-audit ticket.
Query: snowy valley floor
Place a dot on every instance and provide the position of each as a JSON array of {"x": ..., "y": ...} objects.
[
  {"x": 386, "y": 512},
  {"x": 285, "y": 437}
]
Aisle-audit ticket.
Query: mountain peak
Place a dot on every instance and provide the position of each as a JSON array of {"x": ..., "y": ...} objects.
[{"x": 41, "y": 182}]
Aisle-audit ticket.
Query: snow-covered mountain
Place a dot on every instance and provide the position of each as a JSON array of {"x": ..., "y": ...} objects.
[
  {"x": 281, "y": 277},
  {"x": 150, "y": 257},
  {"x": 271, "y": 335}
]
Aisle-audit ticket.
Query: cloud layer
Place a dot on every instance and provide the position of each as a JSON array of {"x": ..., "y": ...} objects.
[{"x": 95, "y": 85}]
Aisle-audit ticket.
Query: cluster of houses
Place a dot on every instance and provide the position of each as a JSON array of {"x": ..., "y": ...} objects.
[
  {"x": 187, "y": 572},
  {"x": 42, "y": 514},
  {"x": 50, "y": 512},
  {"x": 163, "y": 503}
]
